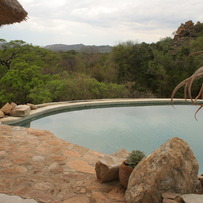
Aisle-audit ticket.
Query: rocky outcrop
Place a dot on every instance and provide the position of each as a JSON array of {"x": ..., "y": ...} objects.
[
  {"x": 187, "y": 30},
  {"x": 170, "y": 168},
  {"x": 107, "y": 168},
  {"x": 20, "y": 111}
]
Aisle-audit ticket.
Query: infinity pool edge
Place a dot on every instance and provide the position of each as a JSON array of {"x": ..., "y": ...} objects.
[{"x": 55, "y": 106}]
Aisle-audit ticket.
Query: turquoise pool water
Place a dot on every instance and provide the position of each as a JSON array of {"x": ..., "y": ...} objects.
[{"x": 131, "y": 127}]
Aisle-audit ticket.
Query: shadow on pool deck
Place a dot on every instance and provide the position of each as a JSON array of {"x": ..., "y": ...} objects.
[{"x": 36, "y": 164}]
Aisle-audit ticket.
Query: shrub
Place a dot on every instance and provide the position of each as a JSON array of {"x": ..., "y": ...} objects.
[{"x": 134, "y": 158}]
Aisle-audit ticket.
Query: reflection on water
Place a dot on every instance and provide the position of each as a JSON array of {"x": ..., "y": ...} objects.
[{"x": 110, "y": 129}]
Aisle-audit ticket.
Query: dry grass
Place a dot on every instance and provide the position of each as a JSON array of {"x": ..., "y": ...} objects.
[{"x": 11, "y": 12}]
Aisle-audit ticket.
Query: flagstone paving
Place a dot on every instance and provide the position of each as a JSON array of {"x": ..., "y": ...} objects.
[{"x": 35, "y": 164}]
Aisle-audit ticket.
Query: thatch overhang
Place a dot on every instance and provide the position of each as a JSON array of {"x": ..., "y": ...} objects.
[{"x": 11, "y": 12}]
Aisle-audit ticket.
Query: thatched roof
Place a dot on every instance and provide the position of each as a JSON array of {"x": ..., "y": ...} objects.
[{"x": 11, "y": 11}]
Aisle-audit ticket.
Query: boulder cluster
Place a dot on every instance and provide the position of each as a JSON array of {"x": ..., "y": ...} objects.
[
  {"x": 12, "y": 109},
  {"x": 187, "y": 30},
  {"x": 168, "y": 175}
]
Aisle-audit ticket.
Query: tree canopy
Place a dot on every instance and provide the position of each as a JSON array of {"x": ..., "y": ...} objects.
[{"x": 33, "y": 74}]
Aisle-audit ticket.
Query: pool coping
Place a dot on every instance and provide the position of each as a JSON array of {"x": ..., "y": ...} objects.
[{"x": 66, "y": 105}]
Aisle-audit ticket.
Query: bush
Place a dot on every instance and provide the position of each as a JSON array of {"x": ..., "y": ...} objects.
[{"x": 134, "y": 158}]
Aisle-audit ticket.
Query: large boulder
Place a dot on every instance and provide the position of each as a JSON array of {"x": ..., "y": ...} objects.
[
  {"x": 20, "y": 111},
  {"x": 171, "y": 168}
]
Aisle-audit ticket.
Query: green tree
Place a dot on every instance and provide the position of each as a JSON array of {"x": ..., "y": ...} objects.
[
  {"x": 69, "y": 61},
  {"x": 18, "y": 81},
  {"x": 18, "y": 51}
]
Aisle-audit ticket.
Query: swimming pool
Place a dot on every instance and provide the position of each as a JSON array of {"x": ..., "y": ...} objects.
[{"x": 131, "y": 127}]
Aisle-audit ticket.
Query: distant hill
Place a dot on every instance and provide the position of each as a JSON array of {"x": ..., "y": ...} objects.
[{"x": 78, "y": 47}]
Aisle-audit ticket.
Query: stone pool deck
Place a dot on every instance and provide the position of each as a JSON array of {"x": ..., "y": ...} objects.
[
  {"x": 35, "y": 164},
  {"x": 39, "y": 167}
]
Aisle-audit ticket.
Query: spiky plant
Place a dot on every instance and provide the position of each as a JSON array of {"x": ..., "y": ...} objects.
[{"x": 134, "y": 158}]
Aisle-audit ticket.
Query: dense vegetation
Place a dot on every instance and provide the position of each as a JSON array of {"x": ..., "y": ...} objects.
[{"x": 32, "y": 74}]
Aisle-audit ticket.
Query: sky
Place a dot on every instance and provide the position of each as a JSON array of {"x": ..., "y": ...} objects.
[{"x": 101, "y": 22}]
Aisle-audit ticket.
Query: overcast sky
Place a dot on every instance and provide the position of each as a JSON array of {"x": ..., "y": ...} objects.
[{"x": 101, "y": 22}]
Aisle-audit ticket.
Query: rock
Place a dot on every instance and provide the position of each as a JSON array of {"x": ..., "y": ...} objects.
[
  {"x": 32, "y": 106},
  {"x": 53, "y": 166},
  {"x": 185, "y": 31},
  {"x": 9, "y": 199},
  {"x": 6, "y": 109},
  {"x": 1, "y": 114},
  {"x": 20, "y": 111},
  {"x": 107, "y": 168},
  {"x": 192, "y": 198},
  {"x": 171, "y": 168},
  {"x": 38, "y": 158},
  {"x": 169, "y": 197},
  {"x": 201, "y": 179}
]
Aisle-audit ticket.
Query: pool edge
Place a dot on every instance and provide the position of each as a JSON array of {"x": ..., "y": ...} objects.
[{"x": 55, "y": 106}]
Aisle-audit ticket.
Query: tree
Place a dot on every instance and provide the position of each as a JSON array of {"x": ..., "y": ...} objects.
[
  {"x": 120, "y": 56},
  {"x": 9, "y": 51},
  {"x": 18, "y": 81},
  {"x": 69, "y": 61},
  {"x": 18, "y": 51}
]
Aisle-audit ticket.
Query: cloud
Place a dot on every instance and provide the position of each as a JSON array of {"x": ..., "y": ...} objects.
[{"x": 103, "y": 22}]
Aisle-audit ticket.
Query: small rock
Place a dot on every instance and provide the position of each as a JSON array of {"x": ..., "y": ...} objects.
[
  {"x": 32, "y": 106},
  {"x": 43, "y": 186},
  {"x": 170, "y": 195},
  {"x": 20, "y": 111},
  {"x": 11, "y": 199},
  {"x": 192, "y": 198},
  {"x": 1, "y": 114},
  {"x": 82, "y": 190},
  {"x": 53, "y": 166},
  {"x": 38, "y": 158},
  {"x": 201, "y": 179},
  {"x": 107, "y": 168}
]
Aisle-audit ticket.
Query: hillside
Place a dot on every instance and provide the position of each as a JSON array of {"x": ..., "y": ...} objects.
[{"x": 78, "y": 47}]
